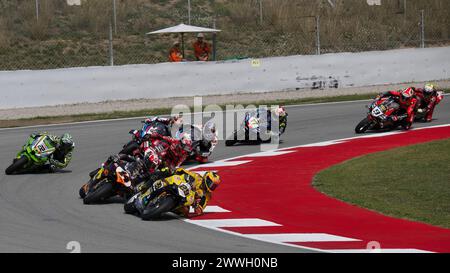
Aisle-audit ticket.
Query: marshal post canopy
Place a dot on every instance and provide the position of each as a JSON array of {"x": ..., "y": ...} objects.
[{"x": 182, "y": 29}]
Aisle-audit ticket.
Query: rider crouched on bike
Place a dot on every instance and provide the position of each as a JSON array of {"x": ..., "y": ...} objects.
[
  {"x": 167, "y": 122},
  {"x": 201, "y": 188},
  {"x": 428, "y": 97},
  {"x": 407, "y": 101},
  {"x": 61, "y": 157},
  {"x": 166, "y": 151},
  {"x": 278, "y": 113},
  {"x": 159, "y": 157}
]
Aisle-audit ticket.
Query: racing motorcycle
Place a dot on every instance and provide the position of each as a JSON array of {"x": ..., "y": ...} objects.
[
  {"x": 110, "y": 180},
  {"x": 34, "y": 153},
  {"x": 421, "y": 113},
  {"x": 378, "y": 116},
  {"x": 250, "y": 130},
  {"x": 162, "y": 197},
  {"x": 204, "y": 140},
  {"x": 139, "y": 136}
]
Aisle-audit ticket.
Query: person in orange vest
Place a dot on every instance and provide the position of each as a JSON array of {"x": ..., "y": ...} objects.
[
  {"x": 201, "y": 48},
  {"x": 175, "y": 54}
]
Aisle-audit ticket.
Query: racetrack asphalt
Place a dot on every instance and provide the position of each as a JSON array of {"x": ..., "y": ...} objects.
[{"x": 42, "y": 212}]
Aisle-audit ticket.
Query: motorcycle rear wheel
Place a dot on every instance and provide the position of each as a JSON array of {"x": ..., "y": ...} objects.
[
  {"x": 164, "y": 204},
  {"x": 99, "y": 194},
  {"x": 16, "y": 165}
]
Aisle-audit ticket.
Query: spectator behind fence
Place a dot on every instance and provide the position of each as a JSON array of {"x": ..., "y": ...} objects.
[
  {"x": 175, "y": 54},
  {"x": 201, "y": 48}
]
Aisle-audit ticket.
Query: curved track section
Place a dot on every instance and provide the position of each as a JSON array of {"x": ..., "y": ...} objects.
[{"x": 42, "y": 212}]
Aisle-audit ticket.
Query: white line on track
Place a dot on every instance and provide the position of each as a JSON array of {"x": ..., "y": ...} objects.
[
  {"x": 240, "y": 222},
  {"x": 222, "y": 163},
  {"x": 300, "y": 237},
  {"x": 269, "y": 153},
  {"x": 198, "y": 223},
  {"x": 211, "y": 209}
]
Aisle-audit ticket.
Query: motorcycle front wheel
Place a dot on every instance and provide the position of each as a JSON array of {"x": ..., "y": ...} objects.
[
  {"x": 101, "y": 193},
  {"x": 17, "y": 165},
  {"x": 363, "y": 126},
  {"x": 129, "y": 148},
  {"x": 164, "y": 204}
]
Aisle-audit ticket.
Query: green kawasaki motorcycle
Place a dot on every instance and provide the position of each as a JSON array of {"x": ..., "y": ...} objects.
[{"x": 34, "y": 153}]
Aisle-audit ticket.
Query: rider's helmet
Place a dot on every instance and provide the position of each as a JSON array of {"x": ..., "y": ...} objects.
[
  {"x": 186, "y": 141},
  {"x": 66, "y": 142},
  {"x": 151, "y": 158},
  {"x": 429, "y": 89},
  {"x": 211, "y": 181},
  {"x": 280, "y": 113},
  {"x": 408, "y": 93},
  {"x": 176, "y": 120}
]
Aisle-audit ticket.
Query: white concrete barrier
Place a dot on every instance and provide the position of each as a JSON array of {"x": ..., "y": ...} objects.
[{"x": 95, "y": 84}]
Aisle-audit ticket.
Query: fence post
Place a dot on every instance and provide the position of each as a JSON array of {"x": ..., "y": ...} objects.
[
  {"x": 115, "y": 17},
  {"x": 260, "y": 12},
  {"x": 37, "y": 10},
  {"x": 318, "y": 34},
  {"x": 111, "y": 49},
  {"x": 422, "y": 29},
  {"x": 214, "y": 40},
  {"x": 189, "y": 12}
]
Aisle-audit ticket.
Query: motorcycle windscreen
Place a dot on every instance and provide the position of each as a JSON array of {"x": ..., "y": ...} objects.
[
  {"x": 209, "y": 131},
  {"x": 41, "y": 148}
]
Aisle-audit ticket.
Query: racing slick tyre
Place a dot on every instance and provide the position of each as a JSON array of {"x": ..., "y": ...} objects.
[
  {"x": 16, "y": 165},
  {"x": 406, "y": 125},
  {"x": 101, "y": 193},
  {"x": 83, "y": 190},
  {"x": 130, "y": 208},
  {"x": 129, "y": 148},
  {"x": 164, "y": 204},
  {"x": 363, "y": 126}
]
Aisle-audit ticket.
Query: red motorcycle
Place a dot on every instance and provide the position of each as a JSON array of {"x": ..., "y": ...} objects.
[{"x": 378, "y": 117}]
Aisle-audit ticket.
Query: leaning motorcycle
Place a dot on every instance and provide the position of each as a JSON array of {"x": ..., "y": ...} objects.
[
  {"x": 162, "y": 197},
  {"x": 204, "y": 140},
  {"x": 139, "y": 136},
  {"x": 110, "y": 180},
  {"x": 249, "y": 132},
  {"x": 34, "y": 153},
  {"x": 378, "y": 116}
]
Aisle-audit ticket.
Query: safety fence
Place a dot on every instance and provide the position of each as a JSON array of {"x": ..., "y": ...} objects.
[{"x": 44, "y": 34}]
